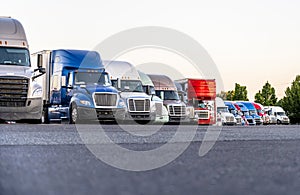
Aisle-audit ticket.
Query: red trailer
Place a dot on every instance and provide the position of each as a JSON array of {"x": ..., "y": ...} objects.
[{"x": 201, "y": 95}]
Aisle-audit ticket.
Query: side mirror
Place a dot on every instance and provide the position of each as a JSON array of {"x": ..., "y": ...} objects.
[
  {"x": 39, "y": 61},
  {"x": 63, "y": 81},
  {"x": 42, "y": 70},
  {"x": 118, "y": 83}
]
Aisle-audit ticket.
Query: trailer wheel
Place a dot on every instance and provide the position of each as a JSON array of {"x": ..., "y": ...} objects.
[{"x": 74, "y": 115}]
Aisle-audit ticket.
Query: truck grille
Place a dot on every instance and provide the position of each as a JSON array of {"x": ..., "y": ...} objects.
[
  {"x": 13, "y": 91},
  {"x": 229, "y": 118},
  {"x": 105, "y": 99},
  {"x": 257, "y": 120},
  {"x": 139, "y": 105},
  {"x": 251, "y": 121},
  {"x": 175, "y": 110},
  {"x": 238, "y": 120},
  {"x": 203, "y": 114}
]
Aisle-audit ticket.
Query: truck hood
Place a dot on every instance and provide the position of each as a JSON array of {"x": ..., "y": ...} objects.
[
  {"x": 169, "y": 102},
  {"x": 100, "y": 88},
  {"x": 10, "y": 70},
  {"x": 134, "y": 95}
]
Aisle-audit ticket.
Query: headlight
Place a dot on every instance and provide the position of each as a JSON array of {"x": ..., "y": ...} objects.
[
  {"x": 121, "y": 104},
  {"x": 85, "y": 102},
  {"x": 37, "y": 92}
]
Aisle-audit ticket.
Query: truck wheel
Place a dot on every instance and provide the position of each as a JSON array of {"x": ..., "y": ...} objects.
[
  {"x": 45, "y": 118},
  {"x": 74, "y": 115},
  {"x": 278, "y": 122}
]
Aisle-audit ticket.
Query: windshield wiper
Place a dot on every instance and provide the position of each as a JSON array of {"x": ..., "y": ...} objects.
[{"x": 11, "y": 63}]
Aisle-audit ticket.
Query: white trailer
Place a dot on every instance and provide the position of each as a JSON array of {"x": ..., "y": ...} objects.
[{"x": 20, "y": 94}]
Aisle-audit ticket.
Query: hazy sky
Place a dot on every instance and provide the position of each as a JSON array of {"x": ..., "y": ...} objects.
[{"x": 250, "y": 41}]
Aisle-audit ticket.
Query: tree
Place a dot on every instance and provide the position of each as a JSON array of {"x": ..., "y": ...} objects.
[
  {"x": 240, "y": 92},
  {"x": 291, "y": 101},
  {"x": 266, "y": 96},
  {"x": 226, "y": 95}
]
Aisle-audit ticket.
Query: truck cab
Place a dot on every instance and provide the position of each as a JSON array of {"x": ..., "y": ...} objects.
[
  {"x": 261, "y": 112},
  {"x": 167, "y": 91},
  {"x": 233, "y": 110},
  {"x": 279, "y": 114},
  {"x": 246, "y": 114},
  {"x": 126, "y": 79},
  {"x": 200, "y": 95},
  {"x": 227, "y": 118},
  {"x": 76, "y": 87},
  {"x": 161, "y": 111},
  {"x": 20, "y": 94},
  {"x": 253, "y": 112}
]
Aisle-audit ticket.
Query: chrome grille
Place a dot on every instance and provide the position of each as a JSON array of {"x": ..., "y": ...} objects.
[
  {"x": 250, "y": 120},
  {"x": 105, "y": 99},
  {"x": 229, "y": 118},
  {"x": 257, "y": 120},
  {"x": 13, "y": 91},
  {"x": 139, "y": 105},
  {"x": 238, "y": 120},
  {"x": 203, "y": 114},
  {"x": 177, "y": 110}
]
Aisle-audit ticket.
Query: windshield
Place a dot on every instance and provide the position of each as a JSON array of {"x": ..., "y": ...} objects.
[
  {"x": 167, "y": 95},
  {"x": 129, "y": 85},
  {"x": 222, "y": 109},
  {"x": 14, "y": 56},
  {"x": 281, "y": 113},
  {"x": 82, "y": 78},
  {"x": 252, "y": 112},
  {"x": 260, "y": 112},
  {"x": 246, "y": 113}
]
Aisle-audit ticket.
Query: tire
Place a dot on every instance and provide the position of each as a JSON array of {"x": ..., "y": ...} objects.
[
  {"x": 33, "y": 121},
  {"x": 74, "y": 115},
  {"x": 45, "y": 116},
  {"x": 278, "y": 122}
]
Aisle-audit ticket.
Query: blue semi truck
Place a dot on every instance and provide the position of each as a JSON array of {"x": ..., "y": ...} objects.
[{"x": 76, "y": 87}]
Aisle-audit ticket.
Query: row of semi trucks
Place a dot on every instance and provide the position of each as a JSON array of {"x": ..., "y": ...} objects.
[
  {"x": 77, "y": 85},
  {"x": 249, "y": 113}
]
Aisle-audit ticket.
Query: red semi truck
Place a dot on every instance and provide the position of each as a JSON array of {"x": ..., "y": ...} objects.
[{"x": 201, "y": 95}]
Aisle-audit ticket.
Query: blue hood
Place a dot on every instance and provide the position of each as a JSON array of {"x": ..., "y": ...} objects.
[{"x": 101, "y": 88}]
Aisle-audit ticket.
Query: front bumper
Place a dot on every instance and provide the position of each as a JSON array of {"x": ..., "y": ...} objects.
[
  {"x": 101, "y": 113},
  {"x": 140, "y": 116},
  {"x": 32, "y": 110}
]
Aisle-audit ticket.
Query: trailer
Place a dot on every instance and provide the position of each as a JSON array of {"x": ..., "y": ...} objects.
[
  {"x": 20, "y": 94},
  {"x": 76, "y": 87},
  {"x": 201, "y": 95}
]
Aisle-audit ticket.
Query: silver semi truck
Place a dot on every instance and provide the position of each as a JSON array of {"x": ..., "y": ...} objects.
[
  {"x": 20, "y": 94},
  {"x": 165, "y": 89}
]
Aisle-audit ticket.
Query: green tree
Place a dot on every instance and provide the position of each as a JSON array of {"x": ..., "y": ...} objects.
[
  {"x": 230, "y": 95},
  {"x": 226, "y": 95},
  {"x": 266, "y": 96},
  {"x": 291, "y": 101},
  {"x": 240, "y": 92}
]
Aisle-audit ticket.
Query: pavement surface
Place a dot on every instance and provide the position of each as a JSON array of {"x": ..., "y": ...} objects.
[{"x": 54, "y": 159}]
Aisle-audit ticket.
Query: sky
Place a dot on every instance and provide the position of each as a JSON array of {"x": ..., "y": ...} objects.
[{"x": 251, "y": 42}]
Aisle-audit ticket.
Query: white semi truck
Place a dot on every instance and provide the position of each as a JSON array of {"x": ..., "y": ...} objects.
[
  {"x": 125, "y": 77},
  {"x": 20, "y": 94}
]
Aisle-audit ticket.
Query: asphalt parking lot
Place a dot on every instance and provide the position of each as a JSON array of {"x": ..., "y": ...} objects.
[{"x": 56, "y": 159}]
